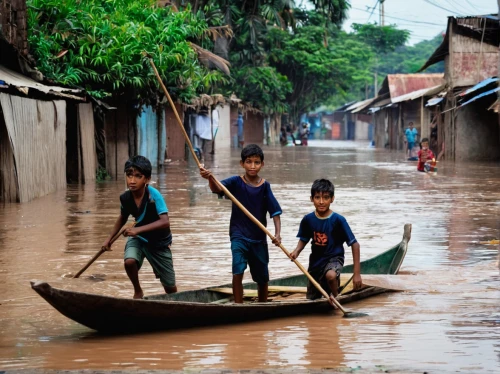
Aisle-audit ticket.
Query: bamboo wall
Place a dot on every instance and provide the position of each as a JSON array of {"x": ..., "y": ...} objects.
[
  {"x": 176, "y": 144},
  {"x": 120, "y": 129},
  {"x": 8, "y": 181},
  {"x": 223, "y": 136},
  {"x": 87, "y": 141},
  {"x": 37, "y": 133}
]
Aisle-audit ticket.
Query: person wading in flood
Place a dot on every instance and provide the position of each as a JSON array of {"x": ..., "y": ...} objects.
[
  {"x": 248, "y": 241},
  {"x": 328, "y": 231},
  {"x": 151, "y": 237}
]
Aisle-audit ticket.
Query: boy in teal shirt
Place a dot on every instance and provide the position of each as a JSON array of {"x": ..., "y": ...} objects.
[{"x": 151, "y": 237}]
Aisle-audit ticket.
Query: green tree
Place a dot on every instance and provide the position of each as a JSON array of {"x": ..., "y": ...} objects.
[
  {"x": 317, "y": 70},
  {"x": 409, "y": 59},
  {"x": 263, "y": 87},
  {"x": 98, "y": 45},
  {"x": 381, "y": 40}
]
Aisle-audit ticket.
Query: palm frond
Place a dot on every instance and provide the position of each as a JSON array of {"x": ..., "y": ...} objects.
[
  {"x": 219, "y": 32},
  {"x": 206, "y": 57}
]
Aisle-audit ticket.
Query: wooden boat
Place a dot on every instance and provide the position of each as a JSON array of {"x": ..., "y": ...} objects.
[{"x": 211, "y": 305}]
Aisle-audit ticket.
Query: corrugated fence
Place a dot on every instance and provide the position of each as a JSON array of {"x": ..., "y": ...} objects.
[{"x": 37, "y": 134}]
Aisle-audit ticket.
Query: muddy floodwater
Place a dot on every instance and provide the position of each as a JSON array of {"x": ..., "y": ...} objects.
[{"x": 450, "y": 322}]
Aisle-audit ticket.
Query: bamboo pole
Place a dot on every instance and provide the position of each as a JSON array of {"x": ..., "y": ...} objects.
[{"x": 101, "y": 251}]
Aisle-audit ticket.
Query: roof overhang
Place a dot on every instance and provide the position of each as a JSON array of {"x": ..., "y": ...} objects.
[
  {"x": 24, "y": 85},
  {"x": 419, "y": 93}
]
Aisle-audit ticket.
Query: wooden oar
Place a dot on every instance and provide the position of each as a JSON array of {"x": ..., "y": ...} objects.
[
  {"x": 101, "y": 251},
  {"x": 330, "y": 299}
]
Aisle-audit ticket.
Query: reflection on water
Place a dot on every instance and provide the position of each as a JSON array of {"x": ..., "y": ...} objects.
[{"x": 454, "y": 327}]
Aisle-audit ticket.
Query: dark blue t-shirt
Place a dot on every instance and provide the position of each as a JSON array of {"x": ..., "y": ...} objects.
[
  {"x": 328, "y": 237},
  {"x": 258, "y": 200}
]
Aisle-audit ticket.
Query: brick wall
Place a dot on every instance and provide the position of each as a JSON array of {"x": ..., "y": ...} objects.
[{"x": 13, "y": 24}]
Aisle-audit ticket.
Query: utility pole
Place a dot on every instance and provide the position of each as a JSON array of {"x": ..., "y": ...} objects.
[
  {"x": 381, "y": 12},
  {"x": 381, "y": 23}
]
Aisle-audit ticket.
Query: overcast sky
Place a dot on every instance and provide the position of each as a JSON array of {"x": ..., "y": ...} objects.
[{"x": 424, "y": 18}]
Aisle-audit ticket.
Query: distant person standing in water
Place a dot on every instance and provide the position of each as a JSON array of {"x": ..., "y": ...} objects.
[
  {"x": 411, "y": 134},
  {"x": 239, "y": 123},
  {"x": 304, "y": 134},
  {"x": 434, "y": 136}
]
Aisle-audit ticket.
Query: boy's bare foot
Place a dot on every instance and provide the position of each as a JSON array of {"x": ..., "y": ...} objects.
[{"x": 139, "y": 295}]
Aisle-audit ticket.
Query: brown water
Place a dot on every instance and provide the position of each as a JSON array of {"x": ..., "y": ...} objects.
[{"x": 455, "y": 326}]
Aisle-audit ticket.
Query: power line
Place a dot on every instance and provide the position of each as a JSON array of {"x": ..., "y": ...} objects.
[
  {"x": 455, "y": 6},
  {"x": 402, "y": 19},
  {"x": 373, "y": 9},
  {"x": 475, "y": 7},
  {"x": 440, "y": 7}
]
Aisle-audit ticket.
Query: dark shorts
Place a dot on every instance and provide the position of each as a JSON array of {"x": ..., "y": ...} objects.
[
  {"x": 256, "y": 255},
  {"x": 411, "y": 145},
  {"x": 336, "y": 264},
  {"x": 159, "y": 256}
]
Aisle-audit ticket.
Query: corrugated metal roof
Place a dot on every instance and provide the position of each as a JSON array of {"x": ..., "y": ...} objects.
[
  {"x": 478, "y": 86},
  {"x": 401, "y": 84},
  {"x": 417, "y": 94},
  {"x": 366, "y": 103},
  {"x": 490, "y": 92},
  {"x": 24, "y": 84},
  {"x": 358, "y": 104},
  {"x": 342, "y": 108}
]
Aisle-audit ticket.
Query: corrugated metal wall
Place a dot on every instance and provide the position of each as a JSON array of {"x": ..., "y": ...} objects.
[
  {"x": 151, "y": 134},
  {"x": 37, "y": 133}
]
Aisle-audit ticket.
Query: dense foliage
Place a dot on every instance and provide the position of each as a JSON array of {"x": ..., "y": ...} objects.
[
  {"x": 404, "y": 59},
  {"x": 316, "y": 71},
  {"x": 409, "y": 59},
  {"x": 258, "y": 76},
  {"x": 98, "y": 45},
  {"x": 283, "y": 58}
]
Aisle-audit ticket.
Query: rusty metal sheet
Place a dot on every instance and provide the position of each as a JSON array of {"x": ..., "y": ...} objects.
[
  {"x": 402, "y": 84},
  {"x": 24, "y": 84}
]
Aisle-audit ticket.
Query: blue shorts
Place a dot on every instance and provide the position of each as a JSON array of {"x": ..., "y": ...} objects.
[
  {"x": 256, "y": 255},
  {"x": 411, "y": 145}
]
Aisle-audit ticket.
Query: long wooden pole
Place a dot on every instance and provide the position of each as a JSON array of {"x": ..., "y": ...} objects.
[
  {"x": 100, "y": 252},
  {"x": 331, "y": 300}
]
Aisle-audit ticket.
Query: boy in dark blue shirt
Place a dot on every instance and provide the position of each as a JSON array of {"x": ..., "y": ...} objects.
[
  {"x": 248, "y": 241},
  {"x": 328, "y": 231},
  {"x": 151, "y": 237}
]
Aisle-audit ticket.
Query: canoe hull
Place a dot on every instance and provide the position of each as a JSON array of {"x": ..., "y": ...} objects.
[
  {"x": 110, "y": 314},
  {"x": 201, "y": 307}
]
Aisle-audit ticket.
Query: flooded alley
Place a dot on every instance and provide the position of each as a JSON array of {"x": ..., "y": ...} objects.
[{"x": 452, "y": 323}]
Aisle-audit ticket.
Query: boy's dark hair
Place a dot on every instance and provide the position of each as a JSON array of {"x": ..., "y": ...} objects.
[
  {"x": 141, "y": 164},
  {"x": 322, "y": 185},
  {"x": 424, "y": 140},
  {"x": 252, "y": 150}
]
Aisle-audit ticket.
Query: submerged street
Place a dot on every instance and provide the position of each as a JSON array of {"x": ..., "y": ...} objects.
[{"x": 450, "y": 323}]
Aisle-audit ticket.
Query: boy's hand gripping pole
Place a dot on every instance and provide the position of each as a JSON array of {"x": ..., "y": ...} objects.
[
  {"x": 330, "y": 299},
  {"x": 101, "y": 251}
]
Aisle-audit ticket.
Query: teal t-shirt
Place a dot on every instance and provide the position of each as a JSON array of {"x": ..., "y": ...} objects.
[{"x": 411, "y": 135}]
